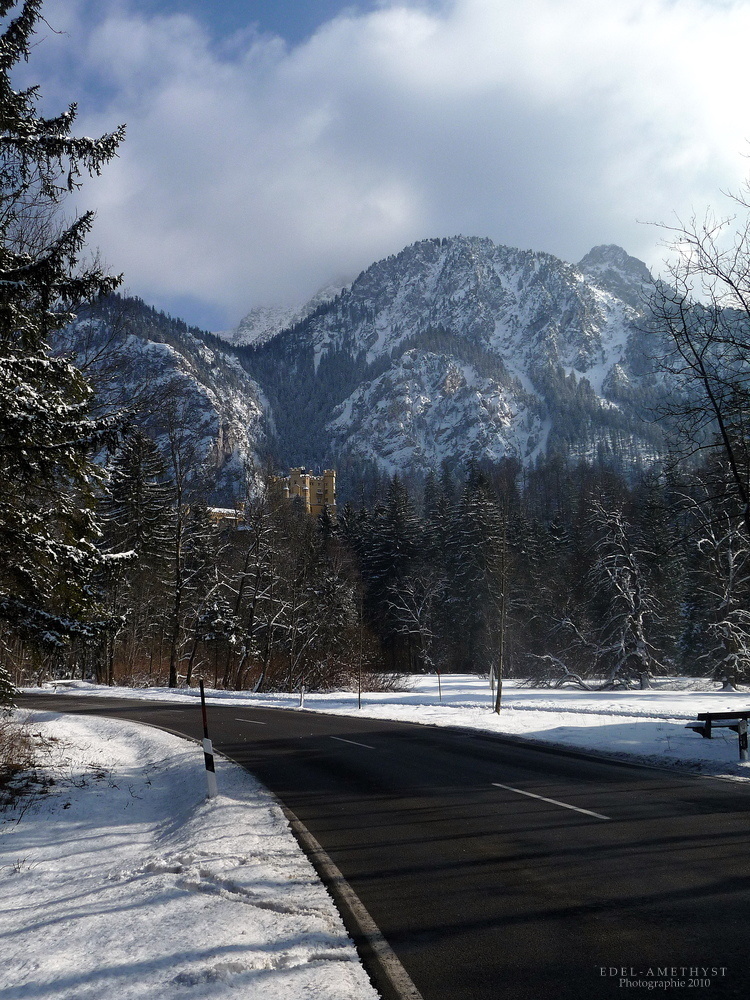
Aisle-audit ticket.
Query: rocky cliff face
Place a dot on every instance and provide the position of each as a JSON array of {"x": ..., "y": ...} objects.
[{"x": 169, "y": 379}]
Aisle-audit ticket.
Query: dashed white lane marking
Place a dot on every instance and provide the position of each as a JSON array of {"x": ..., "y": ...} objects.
[
  {"x": 554, "y": 802},
  {"x": 353, "y": 742},
  {"x": 253, "y": 721}
]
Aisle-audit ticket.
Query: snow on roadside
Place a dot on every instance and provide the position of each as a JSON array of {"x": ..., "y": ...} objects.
[
  {"x": 121, "y": 880},
  {"x": 645, "y": 725}
]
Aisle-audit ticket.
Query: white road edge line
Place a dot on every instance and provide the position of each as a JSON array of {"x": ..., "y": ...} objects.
[
  {"x": 554, "y": 802},
  {"x": 379, "y": 952},
  {"x": 253, "y": 721},
  {"x": 353, "y": 742}
]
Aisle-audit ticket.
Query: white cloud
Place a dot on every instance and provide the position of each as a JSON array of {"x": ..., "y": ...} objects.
[{"x": 253, "y": 172}]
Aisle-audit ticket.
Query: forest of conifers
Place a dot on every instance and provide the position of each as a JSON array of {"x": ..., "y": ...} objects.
[{"x": 562, "y": 574}]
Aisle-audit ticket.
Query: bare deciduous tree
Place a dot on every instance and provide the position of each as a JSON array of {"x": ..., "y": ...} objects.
[{"x": 703, "y": 311}]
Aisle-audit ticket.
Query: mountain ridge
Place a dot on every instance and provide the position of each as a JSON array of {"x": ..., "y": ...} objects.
[
  {"x": 538, "y": 327},
  {"x": 454, "y": 350}
]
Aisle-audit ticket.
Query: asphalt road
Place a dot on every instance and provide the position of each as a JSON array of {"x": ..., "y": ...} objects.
[{"x": 499, "y": 871}]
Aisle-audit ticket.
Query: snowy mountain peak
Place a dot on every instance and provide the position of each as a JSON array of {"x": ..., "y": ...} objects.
[
  {"x": 612, "y": 268},
  {"x": 264, "y": 322},
  {"x": 610, "y": 255}
]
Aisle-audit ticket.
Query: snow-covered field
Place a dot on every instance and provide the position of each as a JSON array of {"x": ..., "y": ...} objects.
[
  {"x": 122, "y": 881},
  {"x": 646, "y": 725}
]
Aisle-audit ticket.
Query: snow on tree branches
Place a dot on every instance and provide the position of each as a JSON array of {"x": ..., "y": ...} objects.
[{"x": 48, "y": 529}]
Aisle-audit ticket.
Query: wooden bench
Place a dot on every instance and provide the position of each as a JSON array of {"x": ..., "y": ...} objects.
[{"x": 737, "y": 721}]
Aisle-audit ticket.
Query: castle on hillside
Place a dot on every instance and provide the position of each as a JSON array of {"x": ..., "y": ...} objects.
[{"x": 316, "y": 492}]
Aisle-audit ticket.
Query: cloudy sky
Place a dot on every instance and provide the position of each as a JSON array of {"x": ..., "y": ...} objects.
[{"x": 277, "y": 145}]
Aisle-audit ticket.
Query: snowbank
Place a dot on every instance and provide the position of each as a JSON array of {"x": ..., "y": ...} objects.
[{"x": 121, "y": 880}]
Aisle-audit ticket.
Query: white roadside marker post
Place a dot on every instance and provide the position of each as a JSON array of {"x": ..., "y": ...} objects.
[
  {"x": 208, "y": 751},
  {"x": 742, "y": 733}
]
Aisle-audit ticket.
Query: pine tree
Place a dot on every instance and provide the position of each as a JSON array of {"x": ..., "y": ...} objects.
[
  {"x": 208, "y": 616},
  {"x": 48, "y": 531},
  {"x": 137, "y": 515},
  {"x": 186, "y": 470},
  {"x": 475, "y": 561},
  {"x": 138, "y": 505},
  {"x": 393, "y": 553}
]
